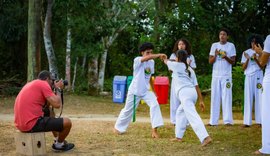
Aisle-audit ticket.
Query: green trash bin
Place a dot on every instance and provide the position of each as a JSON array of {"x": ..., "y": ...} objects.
[{"x": 129, "y": 79}]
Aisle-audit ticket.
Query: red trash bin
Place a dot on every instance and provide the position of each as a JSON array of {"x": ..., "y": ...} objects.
[{"x": 161, "y": 85}]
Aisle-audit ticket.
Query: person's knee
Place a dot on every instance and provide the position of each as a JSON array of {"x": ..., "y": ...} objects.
[{"x": 67, "y": 123}]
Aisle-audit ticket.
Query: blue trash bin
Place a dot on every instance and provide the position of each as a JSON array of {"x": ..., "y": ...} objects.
[{"x": 119, "y": 88}]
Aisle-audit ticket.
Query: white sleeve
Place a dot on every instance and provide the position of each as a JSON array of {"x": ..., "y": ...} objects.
[
  {"x": 213, "y": 49},
  {"x": 194, "y": 78},
  {"x": 137, "y": 62},
  {"x": 152, "y": 66},
  {"x": 193, "y": 63},
  {"x": 267, "y": 44},
  {"x": 233, "y": 50},
  {"x": 172, "y": 57},
  {"x": 170, "y": 65},
  {"x": 243, "y": 59}
]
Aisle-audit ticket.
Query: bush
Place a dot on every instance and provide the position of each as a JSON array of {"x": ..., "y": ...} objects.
[{"x": 238, "y": 79}]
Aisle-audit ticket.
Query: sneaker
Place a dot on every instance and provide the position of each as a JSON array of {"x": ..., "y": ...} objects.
[{"x": 65, "y": 147}]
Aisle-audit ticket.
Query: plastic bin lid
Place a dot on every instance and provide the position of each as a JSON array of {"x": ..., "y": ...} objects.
[
  {"x": 161, "y": 80},
  {"x": 119, "y": 78}
]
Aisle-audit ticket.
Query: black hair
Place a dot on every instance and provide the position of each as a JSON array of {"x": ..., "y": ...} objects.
[
  {"x": 186, "y": 42},
  {"x": 225, "y": 30},
  {"x": 182, "y": 56},
  {"x": 257, "y": 39},
  {"x": 43, "y": 75},
  {"x": 146, "y": 46}
]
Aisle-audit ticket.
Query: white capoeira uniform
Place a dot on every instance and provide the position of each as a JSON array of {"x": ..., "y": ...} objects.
[
  {"x": 184, "y": 88},
  {"x": 253, "y": 88},
  {"x": 139, "y": 88},
  {"x": 174, "y": 102},
  {"x": 265, "y": 103},
  {"x": 221, "y": 85}
]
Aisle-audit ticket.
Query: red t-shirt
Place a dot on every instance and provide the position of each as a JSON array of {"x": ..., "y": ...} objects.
[{"x": 29, "y": 103}]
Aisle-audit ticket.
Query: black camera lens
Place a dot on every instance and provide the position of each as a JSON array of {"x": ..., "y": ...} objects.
[{"x": 65, "y": 82}]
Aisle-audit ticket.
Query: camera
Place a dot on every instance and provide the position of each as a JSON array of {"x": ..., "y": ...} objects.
[
  {"x": 54, "y": 76},
  {"x": 65, "y": 82}
]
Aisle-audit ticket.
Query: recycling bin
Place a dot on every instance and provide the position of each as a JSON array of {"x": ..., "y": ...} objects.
[{"x": 119, "y": 88}]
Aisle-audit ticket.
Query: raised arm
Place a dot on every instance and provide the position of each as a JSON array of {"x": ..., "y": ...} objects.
[
  {"x": 263, "y": 56},
  {"x": 153, "y": 56}
]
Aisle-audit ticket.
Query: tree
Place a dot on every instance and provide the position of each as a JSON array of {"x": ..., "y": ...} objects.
[
  {"x": 48, "y": 41},
  {"x": 33, "y": 39}
]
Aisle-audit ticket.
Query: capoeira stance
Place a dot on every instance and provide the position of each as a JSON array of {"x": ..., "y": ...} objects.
[
  {"x": 143, "y": 68},
  {"x": 187, "y": 91}
]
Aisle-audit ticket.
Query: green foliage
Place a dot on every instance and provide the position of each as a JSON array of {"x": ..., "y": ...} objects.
[
  {"x": 204, "y": 81},
  {"x": 10, "y": 91},
  {"x": 238, "y": 79}
]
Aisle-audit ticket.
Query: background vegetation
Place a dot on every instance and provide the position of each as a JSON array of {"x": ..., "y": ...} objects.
[{"x": 159, "y": 21}]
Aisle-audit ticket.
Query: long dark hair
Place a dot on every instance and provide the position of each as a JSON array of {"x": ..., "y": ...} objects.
[
  {"x": 186, "y": 42},
  {"x": 182, "y": 56},
  {"x": 257, "y": 39}
]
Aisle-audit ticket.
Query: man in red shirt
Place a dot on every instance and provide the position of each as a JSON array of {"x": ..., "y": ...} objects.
[{"x": 28, "y": 109}]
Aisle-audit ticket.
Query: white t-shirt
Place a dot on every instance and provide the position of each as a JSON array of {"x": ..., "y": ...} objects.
[
  {"x": 180, "y": 76},
  {"x": 142, "y": 72},
  {"x": 267, "y": 69},
  {"x": 252, "y": 66},
  {"x": 221, "y": 67},
  {"x": 190, "y": 59}
]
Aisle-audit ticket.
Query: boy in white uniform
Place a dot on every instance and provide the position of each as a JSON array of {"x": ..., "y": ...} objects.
[
  {"x": 181, "y": 44},
  {"x": 143, "y": 68},
  {"x": 253, "y": 81},
  {"x": 222, "y": 56},
  {"x": 264, "y": 60},
  {"x": 187, "y": 90}
]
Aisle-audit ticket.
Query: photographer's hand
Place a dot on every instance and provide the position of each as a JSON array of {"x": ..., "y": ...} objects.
[{"x": 59, "y": 84}]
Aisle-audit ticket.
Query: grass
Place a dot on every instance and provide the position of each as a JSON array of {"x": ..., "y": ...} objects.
[{"x": 97, "y": 138}]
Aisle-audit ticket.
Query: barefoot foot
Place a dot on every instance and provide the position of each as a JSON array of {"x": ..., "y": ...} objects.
[{"x": 206, "y": 141}]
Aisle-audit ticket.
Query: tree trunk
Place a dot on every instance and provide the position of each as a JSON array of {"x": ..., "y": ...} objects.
[
  {"x": 34, "y": 14},
  {"x": 101, "y": 73},
  {"x": 47, "y": 40},
  {"x": 74, "y": 75},
  {"x": 93, "y": 76},
  {"x": 83, "y": 64},
  {"x": 68, "y": 57}
]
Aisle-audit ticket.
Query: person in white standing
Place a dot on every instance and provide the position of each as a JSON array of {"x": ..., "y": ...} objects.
[
  {"x": 264, "y": 60},
  {"x": 181, "y": 44},
  {"x": 143, "y": 68},
  {"x": 253, "y": 81},
  {"x": 187, "y": 90},
  {"x": 222, "y": 56}
]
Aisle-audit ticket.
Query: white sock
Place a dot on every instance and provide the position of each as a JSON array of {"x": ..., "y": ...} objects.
[{"x": 58, "y": 144}]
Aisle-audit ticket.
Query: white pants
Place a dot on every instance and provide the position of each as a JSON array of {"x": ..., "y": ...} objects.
[
  {"x": 253, "y": 89},
  {"x": 186, "y": 112},
  {"x": 125, "y": 115},
  {"x": 174, "y": 103},
  {"x": 221, "y": 92},
  {"x": 265, "y": 119}
]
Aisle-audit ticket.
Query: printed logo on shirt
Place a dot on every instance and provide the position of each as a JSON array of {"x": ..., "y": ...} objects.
[
  {"x": 147, "y": 71},
  {"x": 228, "y": 85},
  {"x": 259, "y": 85}
]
